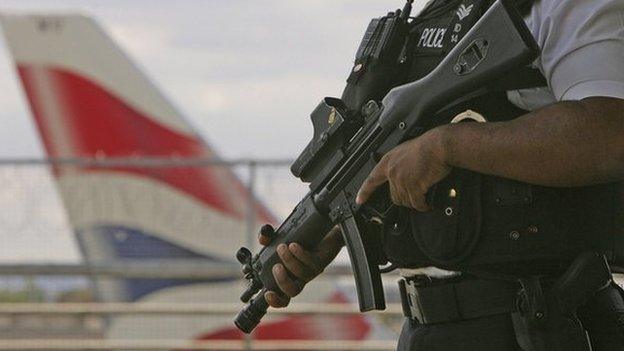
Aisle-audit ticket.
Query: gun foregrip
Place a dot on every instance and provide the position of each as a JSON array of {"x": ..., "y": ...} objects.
[{"x": 306, "y": 226}]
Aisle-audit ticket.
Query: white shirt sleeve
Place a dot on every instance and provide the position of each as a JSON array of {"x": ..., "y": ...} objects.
[{"x": 582, "y": 44}]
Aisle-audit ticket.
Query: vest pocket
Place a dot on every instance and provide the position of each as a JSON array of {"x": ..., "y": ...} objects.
[{"x": 449, "y": 233}]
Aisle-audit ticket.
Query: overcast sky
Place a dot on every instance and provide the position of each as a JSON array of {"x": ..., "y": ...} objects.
[{"x": 245, "y": 73}]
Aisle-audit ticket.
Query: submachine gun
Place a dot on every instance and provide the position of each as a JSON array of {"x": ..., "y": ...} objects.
[{"x": 351, "y": 135}]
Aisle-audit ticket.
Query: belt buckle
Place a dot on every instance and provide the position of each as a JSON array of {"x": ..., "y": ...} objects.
[{"x": 411, "y": 294}]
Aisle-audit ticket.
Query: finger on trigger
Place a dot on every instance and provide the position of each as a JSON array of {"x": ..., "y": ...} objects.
[{"x": 374, "y": 180}]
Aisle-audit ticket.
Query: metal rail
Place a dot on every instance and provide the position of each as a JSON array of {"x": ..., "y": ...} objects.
[
  {"x": 179, "y": 309},
  {"x": 143, "y": 162},
  {"x": 90, "y": 344},
  {"x": 156, "y": 269},
  {"x": 193, "y": 269},
  {"x": 163, "y": 269},
  {"x": 85, "y": 309}
]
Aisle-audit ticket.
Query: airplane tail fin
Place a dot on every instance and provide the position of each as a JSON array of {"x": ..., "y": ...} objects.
[{"x": 90, "y": 101}]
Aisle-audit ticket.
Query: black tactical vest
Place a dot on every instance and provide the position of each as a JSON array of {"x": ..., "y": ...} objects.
[{"x": 481, "y": 221}]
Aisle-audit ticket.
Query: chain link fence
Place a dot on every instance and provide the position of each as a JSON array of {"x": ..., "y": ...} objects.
[{"x": 163, "y": 218}]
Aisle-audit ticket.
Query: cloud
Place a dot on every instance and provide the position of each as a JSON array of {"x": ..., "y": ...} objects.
[
  {"x": 213, "y": 99},
  {"x": 230, "y": 65},
  {"x": 143, "y": 39},
  {"x": 246, "y": 73}
]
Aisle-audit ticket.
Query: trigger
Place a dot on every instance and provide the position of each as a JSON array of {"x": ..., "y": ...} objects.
[{"x": 378, "y": 215}]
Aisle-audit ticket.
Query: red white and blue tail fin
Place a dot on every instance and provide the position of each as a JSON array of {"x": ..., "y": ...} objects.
[{"x": 90, "y": 101}]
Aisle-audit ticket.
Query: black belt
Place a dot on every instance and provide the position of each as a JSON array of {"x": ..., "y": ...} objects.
[{"x": 427, "y": 301}]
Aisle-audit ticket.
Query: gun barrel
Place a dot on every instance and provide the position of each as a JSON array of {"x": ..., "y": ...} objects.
[{"x": 250, "y": 316}]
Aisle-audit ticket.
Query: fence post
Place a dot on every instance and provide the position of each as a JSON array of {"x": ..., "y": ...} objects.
[
  {"x": 251, "y": 205},
  {"x": 251, "y": 225}
]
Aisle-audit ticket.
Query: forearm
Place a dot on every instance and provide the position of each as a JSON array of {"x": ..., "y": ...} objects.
[{"x": 566, "y": 144}]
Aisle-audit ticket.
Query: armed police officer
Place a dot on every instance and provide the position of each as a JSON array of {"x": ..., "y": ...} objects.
[{"x": 506, "y": 222}]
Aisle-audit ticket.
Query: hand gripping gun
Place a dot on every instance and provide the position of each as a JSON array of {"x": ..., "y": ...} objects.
[{"x": 350, "y": 139}]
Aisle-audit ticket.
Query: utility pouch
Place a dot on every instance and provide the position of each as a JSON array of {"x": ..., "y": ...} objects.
[
  {"x": 546, "y": 319},
  {"x": 449, "y": 233}
]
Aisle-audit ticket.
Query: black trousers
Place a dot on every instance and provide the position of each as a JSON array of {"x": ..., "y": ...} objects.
[{"x": 602, "y": 317}]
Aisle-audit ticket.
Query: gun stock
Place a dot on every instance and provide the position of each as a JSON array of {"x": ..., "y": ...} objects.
[{"x": 498, "y": 43}]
